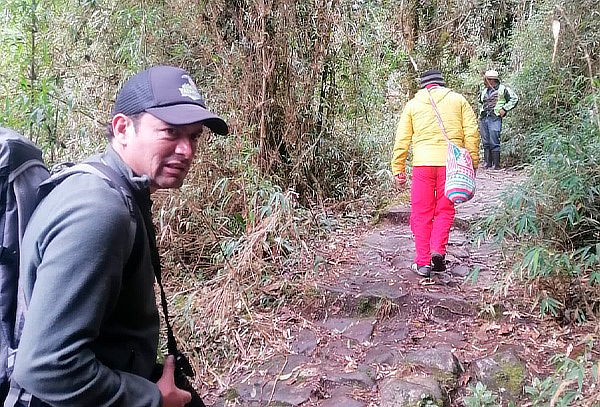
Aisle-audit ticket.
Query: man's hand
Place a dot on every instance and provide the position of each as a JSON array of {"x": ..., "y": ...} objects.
[
  {"x": 171, "y": 395},
  {"x": 502, "y": 113},
  {"x": 400, "y": 179}
]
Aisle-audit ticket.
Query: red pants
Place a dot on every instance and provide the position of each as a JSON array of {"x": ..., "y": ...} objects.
[{"x": 431, "y": 213}]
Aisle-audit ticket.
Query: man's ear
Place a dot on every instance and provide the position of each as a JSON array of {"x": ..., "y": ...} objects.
[{"x": 122, "y": 127}]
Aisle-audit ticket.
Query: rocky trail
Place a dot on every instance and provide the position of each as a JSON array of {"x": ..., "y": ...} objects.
[{"x": 376, "y": 334}]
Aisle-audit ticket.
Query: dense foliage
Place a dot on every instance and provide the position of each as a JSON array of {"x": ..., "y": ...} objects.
[
  {"x": 554, "y": 215},
  {"x": 550, "y": 222}
]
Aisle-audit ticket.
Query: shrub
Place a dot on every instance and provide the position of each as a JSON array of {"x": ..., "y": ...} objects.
[{"x": 553, "y": 217}]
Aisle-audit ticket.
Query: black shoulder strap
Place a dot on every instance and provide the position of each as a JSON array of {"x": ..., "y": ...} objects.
[{"x": 144, "y": 204}]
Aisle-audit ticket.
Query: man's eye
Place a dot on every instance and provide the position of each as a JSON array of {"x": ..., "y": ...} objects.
[{"x": 169, "y": 131}]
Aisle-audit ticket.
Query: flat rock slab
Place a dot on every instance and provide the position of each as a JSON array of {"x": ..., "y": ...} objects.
[
  {"x": 381, "y": 244},
  {"x": 353, "y": 379},
  {"x": 281, "y": 365},
  {"x": 383, "y": 355},
  {"x": 440, "y": 359},
  {"x": 455, "y": 339},
  {"x": 355, "y": 329},
  {"x": 460, "y": 270},
  {"x": 342, "y": 401},
  {"x": 444, "y": 306},
  {"x": 410, "y": 391},
  {"x": 391, "y": 334},
  {"x": 283, "y": 395},
  {"x": 335, "y": 350},
  {"x": 403, "y": 262},
  {"x": 305, "y": 342},
  {"x": 382, "y": 290},
  {"x": 399, "y": 215},
  {"x": 363, "y": 297}
]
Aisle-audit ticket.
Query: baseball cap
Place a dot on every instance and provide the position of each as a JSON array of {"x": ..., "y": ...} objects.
[
  {"x": 168, "y": 93},
  {"x": 491, "y": 74}
]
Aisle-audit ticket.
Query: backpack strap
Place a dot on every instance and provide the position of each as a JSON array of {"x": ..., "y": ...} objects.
[
  {"x": 144, "y": 204},
  {"x": 91, "y": 167},
  {"x": 19, "y": 397}
]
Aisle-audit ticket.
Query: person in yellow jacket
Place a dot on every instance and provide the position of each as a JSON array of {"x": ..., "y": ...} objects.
[{"x": 432, "y": 213}]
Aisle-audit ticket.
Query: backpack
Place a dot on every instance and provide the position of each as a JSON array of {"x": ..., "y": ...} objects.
[
  {"x": 21, "y": 171},
  {"x": 22, "y": 186}
]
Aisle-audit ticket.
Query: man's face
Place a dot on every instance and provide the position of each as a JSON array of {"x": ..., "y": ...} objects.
[
  {"x": 152, "y": 147},
  {"x": 489, "y": 83}
]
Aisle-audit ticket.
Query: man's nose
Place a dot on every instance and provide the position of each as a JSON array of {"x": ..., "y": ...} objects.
[{"x": 185, "y": 147}]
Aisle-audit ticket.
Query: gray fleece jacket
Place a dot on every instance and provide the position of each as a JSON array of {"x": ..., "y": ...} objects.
[{"x": 91, "y": 330}]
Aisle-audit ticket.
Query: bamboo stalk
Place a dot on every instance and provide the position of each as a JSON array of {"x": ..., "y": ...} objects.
[
  {"x": 587, "y": 58},
  {"x": 32, "y": 72}
]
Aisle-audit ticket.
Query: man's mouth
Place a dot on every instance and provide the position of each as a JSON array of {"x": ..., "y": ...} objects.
[{"x": 176, "y": 167}]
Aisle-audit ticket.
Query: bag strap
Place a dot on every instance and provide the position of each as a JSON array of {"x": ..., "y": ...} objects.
[
  {"x": 438, "y": 116},
  {"x": 144, "y": 204}
]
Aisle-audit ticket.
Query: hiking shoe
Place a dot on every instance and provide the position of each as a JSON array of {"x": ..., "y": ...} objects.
[
  {"x": 438, "y": 262},
  {"x": 423, "y": 271}
]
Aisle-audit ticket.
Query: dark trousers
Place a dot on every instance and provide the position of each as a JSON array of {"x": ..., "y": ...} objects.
[{"x": 490, "y": 128}]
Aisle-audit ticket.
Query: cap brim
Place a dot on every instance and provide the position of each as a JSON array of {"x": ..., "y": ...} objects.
[{"x": 187, "y": 114}]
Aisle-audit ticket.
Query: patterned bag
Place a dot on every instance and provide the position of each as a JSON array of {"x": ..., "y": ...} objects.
[{"x": 460, "y": 175}]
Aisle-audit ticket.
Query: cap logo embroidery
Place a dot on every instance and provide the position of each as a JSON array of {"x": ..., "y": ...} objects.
[{"x": 188, "y": 89}]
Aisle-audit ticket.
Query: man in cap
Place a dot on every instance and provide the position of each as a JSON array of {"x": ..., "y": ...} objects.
[
  {"x": 496, "y": 100},
  {"x": 91, "y": 333},
  {"x": 432, "y": 213}
]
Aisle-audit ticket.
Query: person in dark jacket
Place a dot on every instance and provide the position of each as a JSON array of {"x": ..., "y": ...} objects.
[
  {"x": 496, "y": 100},
  {"x": 92, "y": 328}
]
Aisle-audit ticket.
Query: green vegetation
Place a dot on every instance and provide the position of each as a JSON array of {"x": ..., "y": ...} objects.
[
  {"x": 231, "y": 394},
  {"x": 572, "y": 384},
  {"x": 553, "y": 215},
  {"x": 550, "y": 222},
  {"x": 367, "y": 306},
  {"x": 429, "y": 401},
  {"x": 480, "y": 396}
]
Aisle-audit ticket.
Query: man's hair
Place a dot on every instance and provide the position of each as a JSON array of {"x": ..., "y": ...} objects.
[{"x": 135, "y": 118}]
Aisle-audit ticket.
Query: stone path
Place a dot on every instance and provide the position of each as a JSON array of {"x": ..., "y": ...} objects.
[{"x": 379, "y": 335}]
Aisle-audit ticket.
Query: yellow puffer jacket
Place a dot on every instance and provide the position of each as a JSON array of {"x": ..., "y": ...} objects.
[{"x": 419, "y": 126}]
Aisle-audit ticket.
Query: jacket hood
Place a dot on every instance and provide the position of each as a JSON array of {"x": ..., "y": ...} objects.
[{"x": 438, "y": 94}]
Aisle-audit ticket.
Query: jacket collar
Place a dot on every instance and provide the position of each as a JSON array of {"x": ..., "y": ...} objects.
[{"x": 111, "y": 158}]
